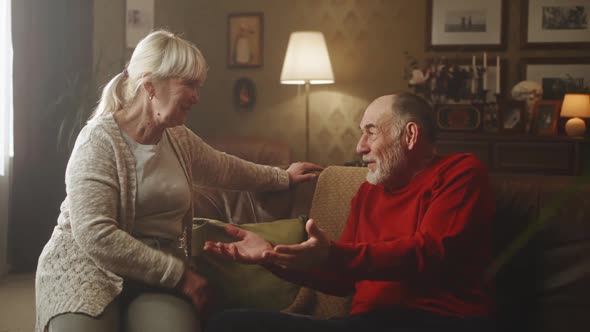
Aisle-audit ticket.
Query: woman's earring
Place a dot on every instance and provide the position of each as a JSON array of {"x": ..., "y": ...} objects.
[{"x": 151, "y": 96}]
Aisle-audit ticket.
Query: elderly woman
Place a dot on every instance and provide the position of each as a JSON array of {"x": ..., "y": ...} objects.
[{"x": 117, "y": 257}]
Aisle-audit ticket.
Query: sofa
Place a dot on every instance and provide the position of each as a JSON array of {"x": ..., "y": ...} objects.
[
  {"x": 256, "y": 149},
  {"x": 541, "y": 241}
]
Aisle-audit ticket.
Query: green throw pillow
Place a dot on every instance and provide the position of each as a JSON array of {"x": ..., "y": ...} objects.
[{"x": 238, "y": 285}]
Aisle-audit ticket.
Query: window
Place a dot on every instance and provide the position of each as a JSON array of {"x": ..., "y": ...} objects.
[{"x": 6, "y": 106}]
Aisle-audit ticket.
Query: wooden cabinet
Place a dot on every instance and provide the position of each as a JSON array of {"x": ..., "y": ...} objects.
[{"x": 504, "y": 153}]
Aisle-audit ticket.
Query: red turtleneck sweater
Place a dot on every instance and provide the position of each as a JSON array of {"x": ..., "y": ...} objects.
[{"x": 425, "y": 246}]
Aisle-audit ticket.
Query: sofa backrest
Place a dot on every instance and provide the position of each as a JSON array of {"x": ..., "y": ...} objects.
[
  {"x": 541, "y": 245},
  {"x": 243, "y": 207},
  {"x": 259, "y": 150}
]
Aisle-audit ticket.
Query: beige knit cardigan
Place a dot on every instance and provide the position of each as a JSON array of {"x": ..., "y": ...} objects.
[{"x": 91, "y": 250}]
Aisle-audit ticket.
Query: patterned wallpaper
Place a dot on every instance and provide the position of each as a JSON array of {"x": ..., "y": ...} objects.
[{"x": 366, "y": 40}]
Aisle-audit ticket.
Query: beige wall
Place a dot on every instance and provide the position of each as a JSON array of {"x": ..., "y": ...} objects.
[{"x": 366, "y": 40}]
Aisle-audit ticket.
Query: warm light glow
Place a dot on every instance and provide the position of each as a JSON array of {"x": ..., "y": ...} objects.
[
  {"x": 575, "y": 106},
  {"x": 307, "y": 60},
  {"x": 6, "y": 134}
]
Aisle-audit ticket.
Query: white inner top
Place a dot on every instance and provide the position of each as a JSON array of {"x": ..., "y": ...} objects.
[{"x": 163, "y": 192}]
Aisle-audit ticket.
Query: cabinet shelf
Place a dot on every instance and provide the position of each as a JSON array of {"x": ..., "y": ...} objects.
[{"x": 520, "y": 153}]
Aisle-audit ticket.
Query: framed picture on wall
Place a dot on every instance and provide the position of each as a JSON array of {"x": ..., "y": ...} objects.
[
  {"x": 555, "y": 24},
  {"x": 558, "y": 76},
  {"x": 545, "y": 116},
  {"x": 453, "y": 25},
  {"x": 244, "y": 94},
  {"x": 139, "y": 20},
  {"x": 245, "y": 40}
]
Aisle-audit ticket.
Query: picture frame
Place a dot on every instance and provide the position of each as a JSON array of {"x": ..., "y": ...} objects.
[
  {"x": 245, "y": 40},
  {"x": 513, "y": 116},
  {"x": 244, "y": 94},
  {"x": 458, "y": 117},
  {"x": 490, "y": 114},
  {"x": 554, "y": 24},
  {"x": 453, "y": 25},
  {"x": 558, "y": 76},
  {"x": 545, "y": 117},
  {"x": 139, "y": 21}
]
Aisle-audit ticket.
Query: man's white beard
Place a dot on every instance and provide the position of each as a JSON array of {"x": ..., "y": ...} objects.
[{"x": 388, "y": 165}]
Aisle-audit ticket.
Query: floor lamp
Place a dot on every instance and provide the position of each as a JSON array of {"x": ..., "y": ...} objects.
[{"x": 307, "y": 62}]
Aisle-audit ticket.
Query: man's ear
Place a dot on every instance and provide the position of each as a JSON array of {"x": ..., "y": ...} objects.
[{"x": 411, "y": 134}]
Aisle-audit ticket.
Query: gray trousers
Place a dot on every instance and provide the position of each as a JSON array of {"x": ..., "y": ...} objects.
[{"x": 146, "y": 312}]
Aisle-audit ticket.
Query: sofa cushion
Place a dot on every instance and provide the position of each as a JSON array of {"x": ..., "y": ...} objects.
[{"x": 238, "y": 285}]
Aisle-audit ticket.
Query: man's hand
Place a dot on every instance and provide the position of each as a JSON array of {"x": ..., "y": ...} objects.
[
  {"x": 304, "y": 255},
  {"x": 300, "y": 172},
  {"x": 249, "y": 248},
  {"x": 196, "y": 289}
]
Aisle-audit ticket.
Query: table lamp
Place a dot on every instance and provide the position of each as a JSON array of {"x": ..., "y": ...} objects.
[
  {"x": 575, "y": 106},
  {"x": 307, "y": 62}
]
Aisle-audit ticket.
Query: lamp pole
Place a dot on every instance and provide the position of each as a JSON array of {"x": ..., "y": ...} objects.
[{"x": 307, "y": 88}]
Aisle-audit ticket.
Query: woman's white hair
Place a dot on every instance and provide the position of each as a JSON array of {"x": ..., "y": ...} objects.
[{"x": 160, "y": 55}]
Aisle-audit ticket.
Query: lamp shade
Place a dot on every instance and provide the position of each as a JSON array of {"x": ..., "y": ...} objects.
[
  {"x": 307, "y": 60},
  {"x": 576, "y": 106}
]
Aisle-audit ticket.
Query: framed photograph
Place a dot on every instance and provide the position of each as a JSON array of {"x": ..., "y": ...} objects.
[
  {"x": 244, "y": 94},
  {"x": 555, "y": 24},
  {"x": 245, "y": 40},
  {"x": 545, "y": 116},
  {"x": 458, "y": 117},
  {"x": 139, "y": 20},
  {"x": 453, "y": 25},
  {"x": 490, "y": 117},
  {"x": 558, "y": 76},
  {"x": 513, "y": 116}
]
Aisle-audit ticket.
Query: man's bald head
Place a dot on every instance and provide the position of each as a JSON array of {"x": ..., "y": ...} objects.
[{"x": 396, "y": 110}]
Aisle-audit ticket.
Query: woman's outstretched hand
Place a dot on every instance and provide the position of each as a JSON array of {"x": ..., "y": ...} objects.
[
  {"x": 249, "y": 248},
  {"x": 253, "y": 249},
  {"x": 302, "y": 171}
]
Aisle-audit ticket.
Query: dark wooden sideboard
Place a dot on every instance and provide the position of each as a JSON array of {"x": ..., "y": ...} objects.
[{"x": 514, "y": 153}]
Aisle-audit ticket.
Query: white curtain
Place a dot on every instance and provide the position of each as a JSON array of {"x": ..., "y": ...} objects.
[{"x": 6, "y": 127}]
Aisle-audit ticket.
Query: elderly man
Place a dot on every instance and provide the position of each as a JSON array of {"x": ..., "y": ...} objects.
[{"x": 415, "y": 246}]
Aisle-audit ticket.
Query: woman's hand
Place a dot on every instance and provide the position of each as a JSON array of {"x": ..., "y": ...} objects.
[
  {"x": 301, "y": 171},
  {"x": 196, "y": 289},
  {"x": 249, "y": 248}
]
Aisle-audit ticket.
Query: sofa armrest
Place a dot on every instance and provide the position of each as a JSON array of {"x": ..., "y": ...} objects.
[{"x": 330, "y": 208}]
